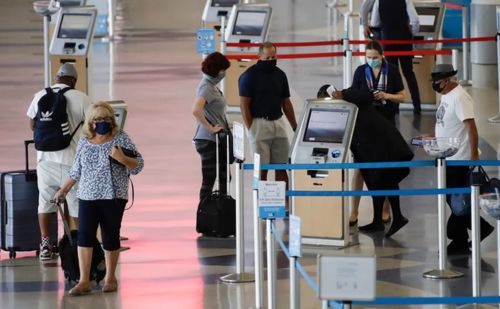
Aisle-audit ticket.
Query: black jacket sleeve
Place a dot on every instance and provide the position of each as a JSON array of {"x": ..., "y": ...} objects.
[{"x": 359, "y": 97}]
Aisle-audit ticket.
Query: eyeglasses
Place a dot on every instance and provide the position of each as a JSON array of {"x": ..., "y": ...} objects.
[{"x": 101, "y": 119}]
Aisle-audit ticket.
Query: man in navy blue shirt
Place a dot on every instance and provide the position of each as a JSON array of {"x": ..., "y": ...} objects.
[{"x": 264, "y": 98}]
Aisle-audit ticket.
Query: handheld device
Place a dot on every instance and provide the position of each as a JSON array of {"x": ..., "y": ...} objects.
[{"x": 417, "y": 141}]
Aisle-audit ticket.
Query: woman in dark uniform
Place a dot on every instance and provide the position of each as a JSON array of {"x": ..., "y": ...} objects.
[
  {"x": 384, "y": 81},
  {"x": 375, "y": 139}
]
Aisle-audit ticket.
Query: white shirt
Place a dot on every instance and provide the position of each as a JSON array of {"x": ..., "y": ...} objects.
[
  {"x": 77, "y": 105},
  {"x": 372, "y": 6},
  {"x": 455, "y": 107}
]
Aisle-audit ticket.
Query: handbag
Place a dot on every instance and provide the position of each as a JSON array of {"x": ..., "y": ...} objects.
[{"x": 460, "y": 203}]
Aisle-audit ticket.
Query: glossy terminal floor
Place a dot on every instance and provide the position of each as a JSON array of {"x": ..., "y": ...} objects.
[{"x": 154, "y": 68}]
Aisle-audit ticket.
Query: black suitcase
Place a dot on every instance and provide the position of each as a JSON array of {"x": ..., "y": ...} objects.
[
  {"x": 68, "y": 253},
  {"x": 216, "y": 215},
  {"x": 19, "y": 229}
]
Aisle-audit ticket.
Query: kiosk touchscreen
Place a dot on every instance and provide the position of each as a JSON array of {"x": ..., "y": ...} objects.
[
  {"x": 72, "y": 41},
  {"x": 430, "y": 17},
  {"x": 120, "y": 109},
  {"x": 324, "y": 136},
  {"x": 248, "y": 23},
  {"x": 214, "y": 9},
  {"x": 66, "y": 3}
]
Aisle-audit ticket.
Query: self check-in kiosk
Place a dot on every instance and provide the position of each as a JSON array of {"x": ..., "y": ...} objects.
[
  {"x": 430, "y": 16},
  {"x": 324, "y": 136},
  {"x": 248, "y": 23},
  {"x": 72, "y": 41},
  {"x": 215, "y": 13},
  {"x": 120, "y": 109},
  {"x": 214, "y": 9}
]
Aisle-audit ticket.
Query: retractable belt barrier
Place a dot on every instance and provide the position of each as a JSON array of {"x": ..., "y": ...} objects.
[
  {"x": 357, "y": 42},
  {"x": 294, "y": 262}
]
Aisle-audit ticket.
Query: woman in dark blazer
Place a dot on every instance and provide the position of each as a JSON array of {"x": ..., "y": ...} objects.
[
  {"x": 384, "y": 81},
  {"x": 376, "y": 139}
]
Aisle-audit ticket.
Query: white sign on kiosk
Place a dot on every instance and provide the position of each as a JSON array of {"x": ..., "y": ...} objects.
[
  {"x": 272, "y": 199},
  {"x": 214, "y": 9},
  {"x": 323, "y": 136},
  {"x": 239, "y": 141},
  {"x": 248, "y": 24}
]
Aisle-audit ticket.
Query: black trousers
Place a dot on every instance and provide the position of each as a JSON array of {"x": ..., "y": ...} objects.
[
  {"x": 207, "y": 149},
  {"x": 407, "y": 68},
  {"x": 106, "y": 213},
  {"x": 456, "y": 229}
]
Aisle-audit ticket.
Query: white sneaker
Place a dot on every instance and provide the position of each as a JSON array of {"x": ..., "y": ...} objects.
[{"x": 45, "y": 253}]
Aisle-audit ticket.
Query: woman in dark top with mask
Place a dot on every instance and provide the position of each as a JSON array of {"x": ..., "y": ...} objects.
[
  {"x": 209, "y": 111},
  {"x": 384, "y": 81}
]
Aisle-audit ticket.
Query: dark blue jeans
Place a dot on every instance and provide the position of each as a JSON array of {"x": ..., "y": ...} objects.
[{"x": 106, "y": 213}]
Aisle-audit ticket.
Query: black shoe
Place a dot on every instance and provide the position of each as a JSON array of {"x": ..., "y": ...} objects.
[
  {"x": 458, "y": 248},
  {"x": 396, "y": 226},
  {"x": 372, "y": 227},
  {"x": 353, "y": 223},
  {"x": 487, "y": 231}
]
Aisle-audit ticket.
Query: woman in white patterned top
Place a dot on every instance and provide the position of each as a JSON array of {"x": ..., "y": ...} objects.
[{"x": 102, "y": 170}]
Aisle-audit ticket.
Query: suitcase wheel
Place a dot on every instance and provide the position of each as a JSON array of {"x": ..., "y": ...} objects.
[{"x": 12, "y": 254}]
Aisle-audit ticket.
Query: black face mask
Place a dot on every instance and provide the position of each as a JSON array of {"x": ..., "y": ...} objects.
[
  {"x": 267, "y": 65},
  {"x": 436, "y": 86}
]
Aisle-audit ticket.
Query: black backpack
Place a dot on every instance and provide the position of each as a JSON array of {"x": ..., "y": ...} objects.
[{"x": 52, "y": 131}]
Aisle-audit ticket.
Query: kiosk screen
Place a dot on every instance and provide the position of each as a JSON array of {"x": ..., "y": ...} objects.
[
  {"x": 74, "y": 26},
  {"x": 249, "y": 23},
  {"x": 427, "y": 17},
  {"x": 65, "y": 3},
  {"x": 326, "y": 126},
  {"x": 224, "y": 3}
]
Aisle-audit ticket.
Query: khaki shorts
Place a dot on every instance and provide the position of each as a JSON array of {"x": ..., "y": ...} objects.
[
  {"x": 51, "y": 176},
  {"x": 269, "y": 139}
]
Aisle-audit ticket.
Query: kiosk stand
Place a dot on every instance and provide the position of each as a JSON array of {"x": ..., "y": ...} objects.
[
  {"x": 215, "y": 16},
  {"x": 72, "y": 42},
  {"x": 46, "y": 9},
  {"x": 247, "y": 24},
  {"x": 430, "y": 16},
  {"x": 324, "y": 136}
]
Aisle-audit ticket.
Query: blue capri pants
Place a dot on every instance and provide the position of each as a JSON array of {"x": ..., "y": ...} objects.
[{"x": 106, "y": 213}]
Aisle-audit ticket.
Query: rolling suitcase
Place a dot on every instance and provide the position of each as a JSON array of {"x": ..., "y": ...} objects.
[
  {"x": 216, "y": 215},
  {"x": 19, "y": 229}
]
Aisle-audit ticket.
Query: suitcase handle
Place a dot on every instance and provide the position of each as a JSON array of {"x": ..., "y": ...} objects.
[
  {"x": 26, "y": 156},
  {"x": 3, "y": 205}
]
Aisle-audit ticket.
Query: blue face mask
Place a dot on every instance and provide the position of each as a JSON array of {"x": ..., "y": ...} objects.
[
  {"x": 374, "y": 63},
  {"x": 103, "y": 127}
]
